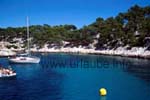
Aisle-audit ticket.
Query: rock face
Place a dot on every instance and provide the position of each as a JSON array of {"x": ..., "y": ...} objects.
[
  {"x": 139, "y": 52},
  {"x": 7, "y": 52},
  {"x": 70, "y": 47}
]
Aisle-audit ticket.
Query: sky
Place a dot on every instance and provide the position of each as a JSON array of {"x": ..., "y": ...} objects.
[{"x": 13, "y": 13}]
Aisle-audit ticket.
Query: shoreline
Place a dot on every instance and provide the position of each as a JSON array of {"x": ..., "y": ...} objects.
[{"x": 135, "y": 52}]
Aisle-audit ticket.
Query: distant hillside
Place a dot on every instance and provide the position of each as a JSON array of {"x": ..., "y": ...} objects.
[{"x": 130, "y": 28}]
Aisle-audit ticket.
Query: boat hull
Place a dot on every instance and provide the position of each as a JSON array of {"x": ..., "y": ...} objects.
[
  {"x": 8, "y": 76},
  {"x": 25, "y": 60}
]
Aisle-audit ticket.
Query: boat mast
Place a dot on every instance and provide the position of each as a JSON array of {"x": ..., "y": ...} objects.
[{"x": 28, "y": 40}]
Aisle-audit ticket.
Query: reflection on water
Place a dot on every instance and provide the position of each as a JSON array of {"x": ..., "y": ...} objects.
[
  {"x": 103, "y": 98},
  {"x": 137, "y": 67}
]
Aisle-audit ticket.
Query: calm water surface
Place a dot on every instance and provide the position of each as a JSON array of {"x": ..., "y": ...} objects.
[{"x": 78, "y": 77}]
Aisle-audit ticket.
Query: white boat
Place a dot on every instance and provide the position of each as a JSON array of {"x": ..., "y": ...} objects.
[
  {"x": 25, "y": 59},
  {"x": 28, "y": 59},
  {"x": 6, "y": 73}
]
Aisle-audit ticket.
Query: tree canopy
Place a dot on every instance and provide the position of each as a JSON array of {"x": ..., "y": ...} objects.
[{"x": 128, "y": 28}]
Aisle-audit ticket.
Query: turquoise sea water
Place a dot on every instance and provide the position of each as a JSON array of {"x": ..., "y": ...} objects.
[{"x": 78, "y": 77}]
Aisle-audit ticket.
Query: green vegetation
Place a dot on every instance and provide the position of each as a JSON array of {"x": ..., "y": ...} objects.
[
  {"x": 12, "y": 46},
  {"x": 129, "y": 28}
]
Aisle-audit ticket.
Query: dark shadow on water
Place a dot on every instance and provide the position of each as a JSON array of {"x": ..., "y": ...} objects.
[
  {"x": 141, "y": 71},
  {"x": 8, "y": 78},
  {"x": 138, "y": 67}
]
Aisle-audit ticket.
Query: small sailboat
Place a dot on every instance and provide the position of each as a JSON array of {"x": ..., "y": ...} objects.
[
  {"x": 7, "y": 72},
  {"x": 25, "y": 58}
]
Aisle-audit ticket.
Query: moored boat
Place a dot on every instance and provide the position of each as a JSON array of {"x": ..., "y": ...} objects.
[
  {"x": 7, "y": 72},
  {"x": 27, "y": 58}
]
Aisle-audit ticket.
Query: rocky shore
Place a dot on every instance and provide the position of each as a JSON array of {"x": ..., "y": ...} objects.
[{"x": 135, "y": 52}]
